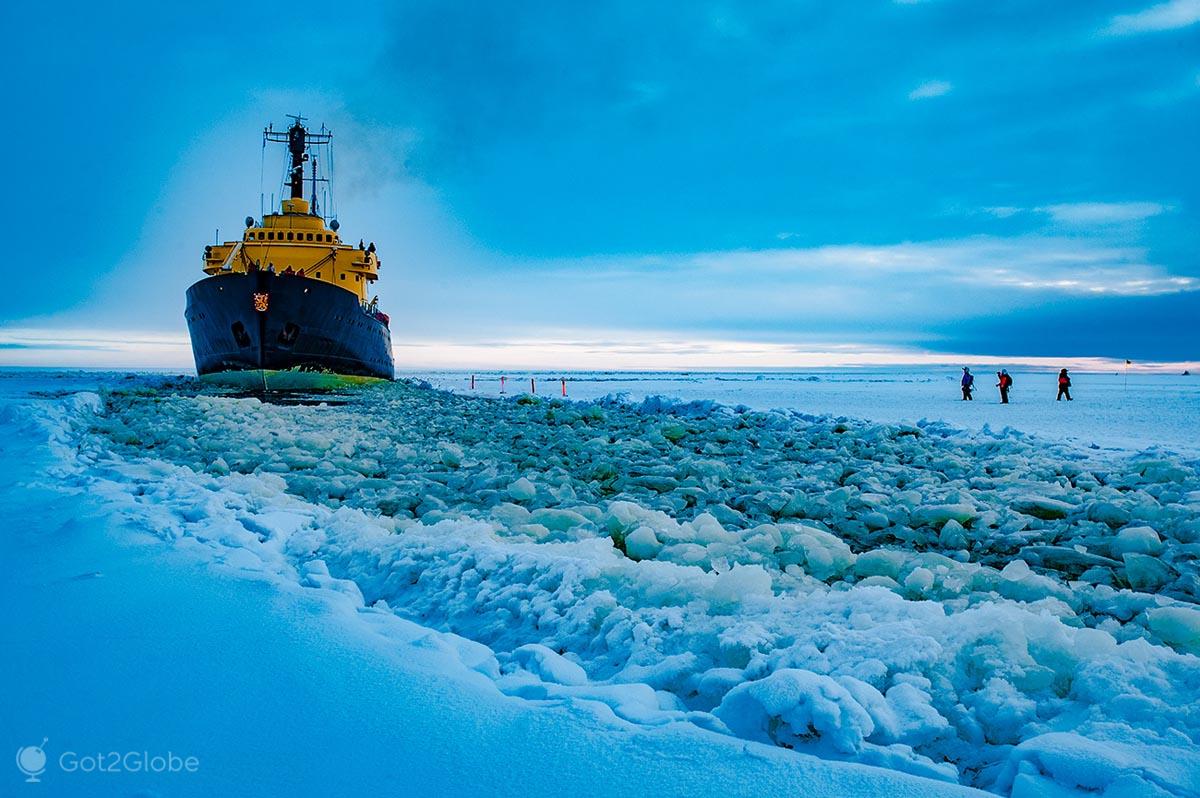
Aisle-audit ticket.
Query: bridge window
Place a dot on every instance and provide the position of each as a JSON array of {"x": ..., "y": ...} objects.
[
  {"x": 343, "y": 275},
  {"x": 329, "y": 237},
  {"x": 310, "y": 236},
  {"x": 289, "y": 235}
]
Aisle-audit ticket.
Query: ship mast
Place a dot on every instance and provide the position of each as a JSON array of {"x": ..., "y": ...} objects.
[
  {"x": 297, "y": 147},
  {"x": 299, "y": 139}
]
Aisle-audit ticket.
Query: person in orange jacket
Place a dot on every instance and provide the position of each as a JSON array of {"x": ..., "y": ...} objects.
[
  {"x": 1064, "y": 386},
  {"x": 1004, "y": 383}
]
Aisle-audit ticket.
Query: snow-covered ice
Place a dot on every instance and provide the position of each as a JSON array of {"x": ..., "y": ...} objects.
[
  {"x": 1010, "y": 612},
  {"x": 1112, "y": 409}
]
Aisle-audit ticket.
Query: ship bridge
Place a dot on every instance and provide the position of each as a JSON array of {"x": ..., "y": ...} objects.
[{"x": 297, "y": 240}]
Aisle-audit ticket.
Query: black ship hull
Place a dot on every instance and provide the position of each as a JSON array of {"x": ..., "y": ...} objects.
[{"x": 266, "y": 331}]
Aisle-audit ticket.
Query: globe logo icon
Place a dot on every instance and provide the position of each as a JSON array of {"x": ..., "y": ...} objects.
[{"x": 31, "y": 760}]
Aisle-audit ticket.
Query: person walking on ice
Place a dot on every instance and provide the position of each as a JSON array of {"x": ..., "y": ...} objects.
[
  {"x": 1004, "y": 383},
  {"x": 968, "y": 385},
  {"x": 1064, "y": 386}
]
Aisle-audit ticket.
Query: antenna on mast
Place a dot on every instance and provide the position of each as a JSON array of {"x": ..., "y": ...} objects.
[{"x": 314, "y": 188}]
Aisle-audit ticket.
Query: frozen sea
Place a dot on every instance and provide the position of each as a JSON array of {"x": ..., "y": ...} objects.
[
  {"x": 819, "y": 583},
  {"x": 1109, "y": 409}
]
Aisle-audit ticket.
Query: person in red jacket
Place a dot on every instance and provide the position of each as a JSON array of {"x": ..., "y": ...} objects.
[
  {"x": 1004, "y": 383},
  {"x": 1064, "y": 386}
]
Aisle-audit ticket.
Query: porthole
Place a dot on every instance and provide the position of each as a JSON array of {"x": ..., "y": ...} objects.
[{"x": 343, "y": 275}]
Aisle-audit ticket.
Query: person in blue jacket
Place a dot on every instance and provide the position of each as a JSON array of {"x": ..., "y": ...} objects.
[{"x": 968, "y": 385}]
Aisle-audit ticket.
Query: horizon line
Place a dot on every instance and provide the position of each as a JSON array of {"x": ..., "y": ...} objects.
[{"x": 566, "y": 351}]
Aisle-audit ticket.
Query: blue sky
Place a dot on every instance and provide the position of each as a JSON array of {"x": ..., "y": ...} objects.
[{"x": 1016, "y": 179}]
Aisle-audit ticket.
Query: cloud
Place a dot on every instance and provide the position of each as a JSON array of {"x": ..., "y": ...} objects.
[
  {"x": 894, "y": 293},
  {"x": 1086, "y": 214},
  {"x": 1164, "y": 16},
  {"x": 93, "y": 348},
  {"x": 1003, "y": 211},
  {"x": 1102, "y": 213},
  {"x": 930, "y": 88},
  {"x": 1057, "y": 265}
]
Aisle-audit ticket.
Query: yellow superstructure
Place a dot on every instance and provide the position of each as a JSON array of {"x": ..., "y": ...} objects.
[{"x": 299, "y": 241}]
